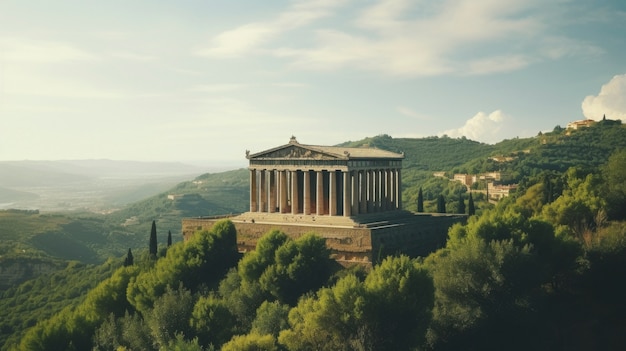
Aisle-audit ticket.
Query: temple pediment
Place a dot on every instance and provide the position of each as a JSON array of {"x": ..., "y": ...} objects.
[{"x": 294, "y": 152}]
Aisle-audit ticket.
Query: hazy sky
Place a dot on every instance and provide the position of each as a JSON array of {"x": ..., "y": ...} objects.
[{"x": 206, "y": 80}]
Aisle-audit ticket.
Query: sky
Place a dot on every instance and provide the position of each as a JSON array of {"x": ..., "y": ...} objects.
[{"x": 207, "y": 80}]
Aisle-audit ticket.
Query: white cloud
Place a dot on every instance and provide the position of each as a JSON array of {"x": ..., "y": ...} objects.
[
  {"x": 408, "y": 38},
  {"x": 246, "y": 38},
  {"x": 498, "y": 64},
  {"x": 397, "y": 37},
  {"x": 611, "y": 101},
  {"x": 237, "y": 42},
  {"x": 406, "y": 111},
  {"x": 26, "y": 80},
  {"x": 48, "y": 68},
  {"x": 37, "y": 51},
  {"x": 482, "y": 127}
]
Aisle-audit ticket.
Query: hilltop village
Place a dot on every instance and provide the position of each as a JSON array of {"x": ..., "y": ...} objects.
[{"x": 493, "y": 191}]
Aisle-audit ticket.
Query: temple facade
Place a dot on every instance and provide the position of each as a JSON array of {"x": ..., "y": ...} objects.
[{"x": 324, "y": 180}]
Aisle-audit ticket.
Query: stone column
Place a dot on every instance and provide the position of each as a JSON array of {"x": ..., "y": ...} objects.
[
  {"x": 394, "y": 194},
  {"x": 306, "y": 193},
  {"x": 383, "y": 190},
  {"x": 367, "y": 181},
  {"x": 332, "y": 193},
  {"x": 294, "y": 192},
  {"x": 387, "y": 201},
  {"x": 263, "y": 196},
  {"x": 399, "y": 201},
  {"x": 354, "y": 186},
  {"x": 376, "y": 193},
  {"x": 319, "y": 198},
  {"x": 347, "y": 194},
  {"x": 253, "y": 191},
  {"x": 363, "y": 189},
  {"x": 283, "y": 191},
  {"x": 354, "y": 189},
  {"x": 392, "y": 189},
  {"x": 272, "y": 204}
]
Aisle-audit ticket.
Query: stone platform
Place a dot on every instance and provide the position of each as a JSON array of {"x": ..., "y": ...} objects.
[{"x": 362, "y": 239}]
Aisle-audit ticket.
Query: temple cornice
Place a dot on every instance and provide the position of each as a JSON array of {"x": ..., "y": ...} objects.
[{"x": 295, "y": 150}]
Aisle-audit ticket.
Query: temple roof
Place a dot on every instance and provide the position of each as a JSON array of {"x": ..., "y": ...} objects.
[{"x": 296, "y": 150}]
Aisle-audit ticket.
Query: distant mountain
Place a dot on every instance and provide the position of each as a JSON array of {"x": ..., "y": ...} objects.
[
  {"x": 47, "y": 173},
  {"x": 36, "y": 173},
  {"x": 8, "y": 196},
  {"x": 94, "y": 185}
]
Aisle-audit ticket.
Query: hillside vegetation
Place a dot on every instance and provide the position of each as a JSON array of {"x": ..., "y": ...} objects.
[
  {"x": 541, "y": 270},
  {"x": 563, "y": 222}
]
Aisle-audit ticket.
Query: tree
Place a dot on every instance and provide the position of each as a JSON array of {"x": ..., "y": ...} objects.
[
  {"x": 153, "y": 240},
  {"x": 108, "y": 336},
  {"x": 461, "y": 208},
  {"x": 300, "y": 265},
  {"x": 420, "y": 201},
  {"x": 169, "y": 238},
  {"x": 212, "y": 321},
  {"x": 399, "y": 302},
  {"x": 271, "y": 318},
  {"x": 201, "y": 261},
  {"x": 287, "y": 268},
  {"x": 251, "y": 342},
  {"x": 170, "y": 315},
  {"x": 129, "y": 260},
  {"x": 441, "y": 204},
  {"x": 329, "y": 321},
  {"x": 581, "y": 207},
  {"x": 471, "y": 210},
  {"x": 390, "y": 310},
  {"x": 482, "y": 287},
  {"x": 615, "y": 177}
]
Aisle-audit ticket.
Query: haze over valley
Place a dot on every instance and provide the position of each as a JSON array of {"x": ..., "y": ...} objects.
[{"x": 86, "y": 185}]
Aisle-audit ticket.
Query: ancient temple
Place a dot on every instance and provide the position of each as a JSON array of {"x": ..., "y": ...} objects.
[
  {"x": 350, "y": 196},
  {"x": 324, "y": 180}
]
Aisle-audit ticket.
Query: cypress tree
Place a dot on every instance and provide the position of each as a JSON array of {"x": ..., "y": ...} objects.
[
  {"x": 153, "y": 240},
  {"x": 461, "y": 203},
  {"x": 420, "y": 201},
  {"x": 169, "y": 238},
  {"x": 129, "y": 260},
  {"x": 441, "y": 204},
  {"x": 471, "y": 210}
]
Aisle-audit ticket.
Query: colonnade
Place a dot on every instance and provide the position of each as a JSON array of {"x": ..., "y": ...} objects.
[{"x": 323, "y": 192}]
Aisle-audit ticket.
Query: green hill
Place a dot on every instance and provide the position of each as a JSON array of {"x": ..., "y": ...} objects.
[
  {"x": 51, "y": 240},
  {"x": 206, "y": 195}
]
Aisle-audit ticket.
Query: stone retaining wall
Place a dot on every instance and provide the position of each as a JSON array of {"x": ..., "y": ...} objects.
[{"x": 363, "y": 243}]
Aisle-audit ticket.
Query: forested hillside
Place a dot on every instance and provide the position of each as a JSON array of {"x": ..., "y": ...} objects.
[
  {"x": 565, "y": 222},
  {"x": 536, "y": 272}
]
